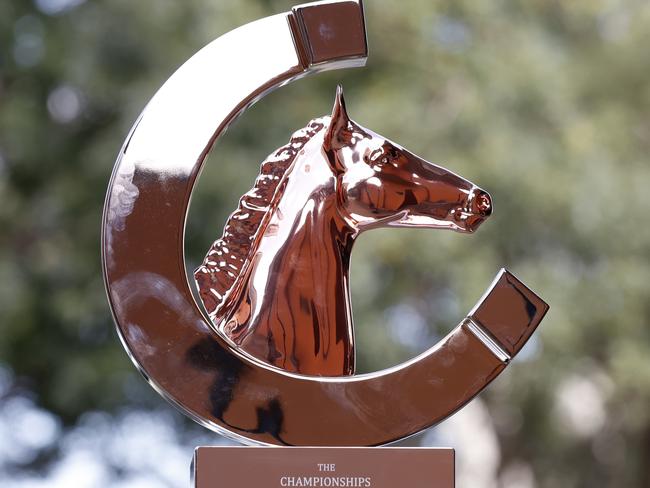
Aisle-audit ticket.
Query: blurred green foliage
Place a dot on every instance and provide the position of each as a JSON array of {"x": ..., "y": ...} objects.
[{"x": 545, "y": 104}]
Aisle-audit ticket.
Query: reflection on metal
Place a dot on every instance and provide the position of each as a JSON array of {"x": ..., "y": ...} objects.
[
  {"x": 276, "y": 283},
  {"x": 174, "y": 343}
]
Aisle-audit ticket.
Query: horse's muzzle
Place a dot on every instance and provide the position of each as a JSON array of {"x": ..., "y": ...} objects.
[
  {"x": 480, "y": 208},
  {"x": 481, "y": 203}
]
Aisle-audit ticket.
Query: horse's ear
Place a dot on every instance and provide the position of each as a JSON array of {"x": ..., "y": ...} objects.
[{"x": 338, "y": 132}]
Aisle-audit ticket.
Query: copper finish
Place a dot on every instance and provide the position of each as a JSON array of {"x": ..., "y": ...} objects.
[
  {"x": 173, "y": 342},
  {"x": 290, "y": 303},
  {"x": 331, "y": 32},
  {"x": 322, "y": 467},
  {"x": 511, "y": 330}
]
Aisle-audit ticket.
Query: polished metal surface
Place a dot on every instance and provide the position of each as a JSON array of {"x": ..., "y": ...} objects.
[
  {"x": 172, "y": 341},
  {"x": 276, "y": 283}
]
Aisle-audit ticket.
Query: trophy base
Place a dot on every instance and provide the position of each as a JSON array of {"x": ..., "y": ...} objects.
[{"x": 350, "y": 467}]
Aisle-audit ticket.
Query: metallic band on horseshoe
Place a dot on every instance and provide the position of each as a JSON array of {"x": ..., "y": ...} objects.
[{"x": 166, "y": 333}]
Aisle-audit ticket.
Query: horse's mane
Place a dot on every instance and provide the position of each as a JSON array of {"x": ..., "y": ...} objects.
[{"x": 226, "y": 261}]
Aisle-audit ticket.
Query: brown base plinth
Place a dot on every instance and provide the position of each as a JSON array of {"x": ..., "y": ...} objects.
[{"x": 322, "y": 467}]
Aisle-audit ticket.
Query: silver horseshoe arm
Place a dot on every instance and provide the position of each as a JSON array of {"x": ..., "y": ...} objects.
[{"x": 165, "y": 332}]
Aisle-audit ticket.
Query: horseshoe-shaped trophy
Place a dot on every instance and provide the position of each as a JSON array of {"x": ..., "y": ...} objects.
[{"x": 265, "y": 353}]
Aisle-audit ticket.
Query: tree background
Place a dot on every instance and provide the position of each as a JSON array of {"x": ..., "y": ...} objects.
[{"x": 546, "y": 104}]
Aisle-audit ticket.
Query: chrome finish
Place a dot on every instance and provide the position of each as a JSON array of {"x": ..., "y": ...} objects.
[
  {"x": 284, "y": 298},
  {"x": 164, "y": 330}
]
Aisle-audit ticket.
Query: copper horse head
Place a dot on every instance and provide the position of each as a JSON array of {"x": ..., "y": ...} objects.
[
  {"x": 383, "y": 184},
  {"x": 277, "y": 283}
]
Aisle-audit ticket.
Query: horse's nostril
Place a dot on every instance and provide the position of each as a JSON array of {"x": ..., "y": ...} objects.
[{"x": 483, "y": 203}]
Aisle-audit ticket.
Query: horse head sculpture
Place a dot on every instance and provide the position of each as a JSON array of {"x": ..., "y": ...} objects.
[{"x": 276, "y": 284}]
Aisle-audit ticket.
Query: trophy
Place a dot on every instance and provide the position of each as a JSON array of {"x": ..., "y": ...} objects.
[{"x": 262, "y": 351}]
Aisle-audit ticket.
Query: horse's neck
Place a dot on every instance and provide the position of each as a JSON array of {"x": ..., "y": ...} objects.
[{"x": 294, "y": 306}]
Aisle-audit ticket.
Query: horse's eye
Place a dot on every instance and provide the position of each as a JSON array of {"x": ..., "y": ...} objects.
[
  {"x": 382, "y": 156},
  {"x": 376, "y": 158}
]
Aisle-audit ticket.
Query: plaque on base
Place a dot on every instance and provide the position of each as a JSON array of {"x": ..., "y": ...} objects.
[{"x": 322, "y": 467}]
